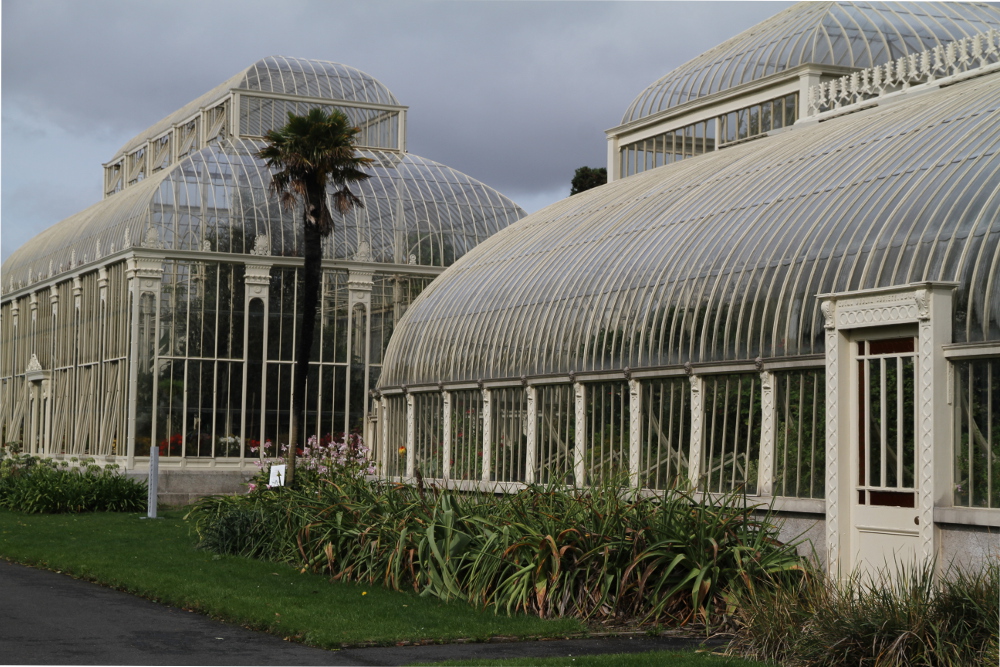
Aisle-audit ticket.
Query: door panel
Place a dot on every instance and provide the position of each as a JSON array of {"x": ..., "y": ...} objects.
[{"x": 885, "y": 526}]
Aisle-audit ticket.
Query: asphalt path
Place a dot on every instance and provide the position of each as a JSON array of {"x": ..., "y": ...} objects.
[{"x": 48, "y": 618}]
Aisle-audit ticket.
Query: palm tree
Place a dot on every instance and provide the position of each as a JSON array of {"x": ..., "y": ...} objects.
[{"x": 308, "y": 156}]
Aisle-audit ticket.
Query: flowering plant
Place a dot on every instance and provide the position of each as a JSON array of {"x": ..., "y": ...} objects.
[
  {"x": 171, "y": 446},
  {"x": 321, "y": 459},
  {"x": 228, "y": 446}
]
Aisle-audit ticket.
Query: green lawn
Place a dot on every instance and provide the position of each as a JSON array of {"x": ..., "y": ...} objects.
[
  {"x": 650, "y": 659},
  {"x": 157, "y": 559}
]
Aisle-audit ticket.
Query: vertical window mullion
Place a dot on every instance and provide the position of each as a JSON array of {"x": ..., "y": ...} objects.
[
  {"x": 798, "y": 449},
  {"x": 709, "y": 455},
  {"x": 813, "y": 476},
  {"x": 882, "y": 422},
  {"x": 867, "y": 423},
  {"x": 971, "y": 445},
  {"x": 989, "y": 434},
  {"x": 899, "y": 417}
]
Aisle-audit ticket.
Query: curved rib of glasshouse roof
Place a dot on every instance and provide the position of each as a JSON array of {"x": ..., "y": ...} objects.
[
  {"x": 789, "y": 290},
  {"x": 193, "y": 179},
  {"x": 165, "y": 317},
  {"x": 416, "y": 211},
  {"x": 851, "y": 35},
  {"x": 721, "y": 257},
  {"x": 298, "y": 77}
]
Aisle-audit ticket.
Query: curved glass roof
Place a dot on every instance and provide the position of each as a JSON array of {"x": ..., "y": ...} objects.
[
  {"x": 720, "y": 257},
  {"x": 416, "y": 211},
  {"x": 860, "y": 34},
  {"x": 280, "y": 74}
]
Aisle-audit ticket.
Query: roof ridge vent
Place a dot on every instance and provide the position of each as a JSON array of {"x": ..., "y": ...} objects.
[{"x": 964, "y": 58}]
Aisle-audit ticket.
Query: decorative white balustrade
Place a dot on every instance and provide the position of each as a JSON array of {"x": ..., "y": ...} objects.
[{"x": 977, "y": 51}]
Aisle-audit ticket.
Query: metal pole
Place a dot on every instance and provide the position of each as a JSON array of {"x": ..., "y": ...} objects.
[{"x": 154, "y": 475}]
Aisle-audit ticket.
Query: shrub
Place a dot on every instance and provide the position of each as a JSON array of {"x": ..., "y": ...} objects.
[
  {"x": 37, "y": 485},
  {"x": 321, "y": 459},
  {"x": 881, "y": 621},
  {"x": 603, "y": 553},
  {"x": 241, "y": 527}
]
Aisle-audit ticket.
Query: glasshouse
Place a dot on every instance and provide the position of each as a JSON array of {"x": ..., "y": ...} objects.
[
  {"x": 789, "y": 288},
  {"x": 164, "y": 316}
]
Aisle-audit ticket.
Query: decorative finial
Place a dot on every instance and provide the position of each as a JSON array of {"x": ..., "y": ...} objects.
[
  {"x": 33, "y": 364},
  {"x": 261, "y": 245},
  {"x": 152, "y": 239},
  {"x": 364, "y": 252}
]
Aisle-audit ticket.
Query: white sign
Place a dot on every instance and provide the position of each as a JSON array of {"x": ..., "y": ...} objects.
[{"x": 277, "y": 475}]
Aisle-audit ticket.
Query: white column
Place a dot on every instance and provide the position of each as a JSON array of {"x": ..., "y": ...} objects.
[
  {"x": 383, "y": 445},
  {"x": 531, "y": 436},
  {"x": 144, "y": 276},
  {"x": 359, "y": 293},
  {"x": 697, "y": 419},
  {"x": 634, "y": 430},
  {"x": 580, "y": 450},
  {"x": 614, "y": 161},
  {"x": 832, "y": 423},
  {"x": 257, "y": 281},
  {"x": 47, "y": 416},
  {"x": 446, "y": 434},
  {"x": 935, "y": 438},
  {"x": 806, "y": 81},
  {"x": 411, "y": 455},
  {"x": 765, "y": 472},
  {"x": 487, "y": 434},
  {"x": 33, "y": 311}
]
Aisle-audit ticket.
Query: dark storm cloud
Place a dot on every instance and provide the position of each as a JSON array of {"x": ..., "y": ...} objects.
[{"x": 516, "y": 94}]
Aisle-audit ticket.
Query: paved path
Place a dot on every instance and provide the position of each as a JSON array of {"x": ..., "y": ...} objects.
[{"x": 48, "y": 618}]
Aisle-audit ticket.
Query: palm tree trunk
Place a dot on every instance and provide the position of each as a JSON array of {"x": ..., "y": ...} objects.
[{"x": 311, "y": 277}]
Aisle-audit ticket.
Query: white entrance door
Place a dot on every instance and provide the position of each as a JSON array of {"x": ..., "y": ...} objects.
[{"x": 885, "y": 529}]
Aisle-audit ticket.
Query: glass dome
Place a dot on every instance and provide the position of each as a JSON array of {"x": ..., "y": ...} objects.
[
  {"x": 844, "y": 34},
  {"x": 720, "y": 257},
  {"x": 416, "y": 211},
  {"x": 285, "y": 76}
]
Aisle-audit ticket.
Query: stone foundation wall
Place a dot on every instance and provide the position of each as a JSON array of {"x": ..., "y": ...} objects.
[{"x": 183, "y": 487}]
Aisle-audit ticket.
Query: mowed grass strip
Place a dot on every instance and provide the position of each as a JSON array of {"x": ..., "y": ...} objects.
[
  {"x": 650, "y": 659},
  {"x": 157, "y": 560}
]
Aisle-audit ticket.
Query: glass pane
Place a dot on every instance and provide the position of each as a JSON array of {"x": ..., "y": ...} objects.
[
  {"x": 908, "y": 422},
  {"x": 607, "y": 445},
  {"x": 732, "y": 432},
  {"x": 892, "y": 461},
  {"x": 508, "y": 441},
  {"x": 874, "y": 403},
  {"x": 466, "y": 434},
  {"x": 556, "y": 433},
  {"x": 666, "y": 428},
  {"x": 800, "y": 428}
]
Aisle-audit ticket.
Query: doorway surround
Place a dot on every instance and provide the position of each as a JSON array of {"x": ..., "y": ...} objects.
[{"x": 849, "y": 317}]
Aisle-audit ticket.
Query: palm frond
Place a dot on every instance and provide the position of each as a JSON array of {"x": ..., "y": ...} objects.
[{"x": 314, "y": 153}]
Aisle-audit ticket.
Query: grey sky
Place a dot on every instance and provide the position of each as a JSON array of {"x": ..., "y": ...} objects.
[{"x": 516, "y": 94}]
